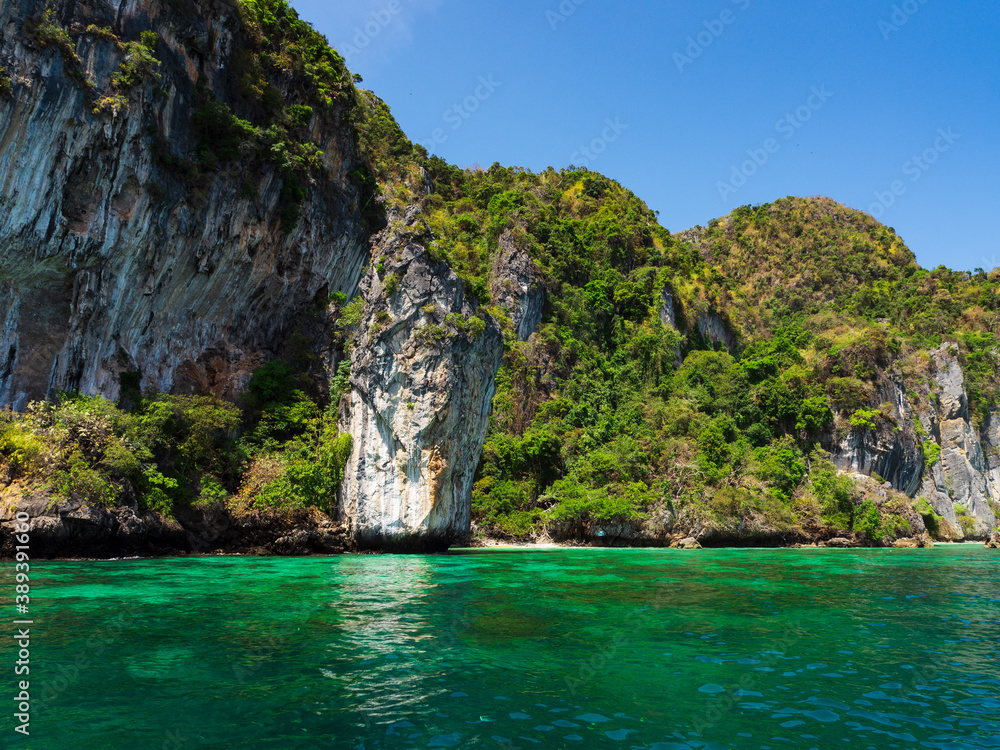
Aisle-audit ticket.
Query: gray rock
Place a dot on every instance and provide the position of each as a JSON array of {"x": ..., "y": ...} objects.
[
  {"x": 419, "y": 405},
  {"x": 968, "y": 472},
  {"x": 686, "y": 543},
  {"x": 895, "y": 455},
  {"x": 516, "y": 286},
  {"x": 954, "y": 404},
  {"x": 838, "y": 542},
  {"x": 668, "y": 315},
  {"x": 716, "y": 331},
  {"x": 110, "y": 261}
]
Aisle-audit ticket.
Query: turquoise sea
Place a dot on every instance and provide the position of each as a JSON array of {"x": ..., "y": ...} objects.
[{"x": 588, "y": 648}]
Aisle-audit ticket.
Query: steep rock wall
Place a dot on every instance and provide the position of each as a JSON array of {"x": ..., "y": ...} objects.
[
  {"x": 965, "y": 476},
  {"x": 516, "y": 286},
  {"x": 892, "y": 450},
  {"x": 422, "y": 382},
  {"x": 110, "y": 259}
]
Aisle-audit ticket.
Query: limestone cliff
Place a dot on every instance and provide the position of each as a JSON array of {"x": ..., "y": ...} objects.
[
  {"x": 422, "y": 380},
  {"x": 119, "y": 251},
  {"x": 963, "y": 481},
  {"x": 891, "y": 449},
  {"x": 929, "y": 417},
  {"x": 516, "y": 286}
]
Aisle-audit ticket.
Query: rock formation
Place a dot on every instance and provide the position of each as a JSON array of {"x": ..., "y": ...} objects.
[
  {"x": 516, "y": 286},
  {"x": 63, "y": 528},
  {"x": 114, "y": 258},
  {"x": 894, "y": 454},
  {"x": 422, "y": 381},
  {"x": 961, "y": 483}
]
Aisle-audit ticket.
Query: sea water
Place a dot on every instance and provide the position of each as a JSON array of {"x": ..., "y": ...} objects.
[{"x": 588, "y": 648}]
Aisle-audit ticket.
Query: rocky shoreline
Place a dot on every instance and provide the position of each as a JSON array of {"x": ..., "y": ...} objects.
[{"x": 73, "y": 529}]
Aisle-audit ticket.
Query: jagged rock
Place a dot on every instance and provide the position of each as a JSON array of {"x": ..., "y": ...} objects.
[
  {"x": 110, "y": 260},
  {"x": 715, "y": 331},
  {"x": 838, "y": 542},
  {"x": 994, "y": 541},
  {"x": 74, "y": 528},
  {"x": 907, "y": 543},
  {"x": 668, "y": 315},
  {"x": 954, "y": 403},
  {"x": 895, "y": 455},
  {"x": 516, "y": 286},
  {"x": 991, "y": 454},
  {"x": 968, "y": 471},
  {"x": 686, "y": 543},
  {"x": 422, "y": 379}
]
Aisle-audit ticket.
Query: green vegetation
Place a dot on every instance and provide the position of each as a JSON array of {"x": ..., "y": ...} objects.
[
  {"x": 49, "y": 33},
  {"x": 931, "y": 519},
  {"x": 965, "y": 519},
  {"x": 5, "y": 82},
  {"x": 139, "y": 62},
  {"x": 791, "y": 317},
  {"x": 631, "y": 403},
  {"x": 169, "y": 452},
  {"x": 46, "y": 32}
]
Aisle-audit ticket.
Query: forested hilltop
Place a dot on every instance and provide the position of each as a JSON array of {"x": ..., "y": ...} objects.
[
  {"x": 273, "y": 295},
  {"x": 706, "y": 379}
]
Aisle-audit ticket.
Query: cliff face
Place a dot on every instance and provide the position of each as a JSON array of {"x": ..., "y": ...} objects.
[
  {"x": 892, "y": 450},
  {"x": 516, "y": 285},
  {"x": 961, "y": 480},
  {"x": 422, "y": 381},
  {"x": 113, "y": 258},
  {"x": 180, "y": 192}
]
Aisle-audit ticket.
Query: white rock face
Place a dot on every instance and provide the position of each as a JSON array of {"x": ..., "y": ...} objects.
[
  {"x": 422, "y": 382},
  {"x": 968, "y": 472},
  {"x": 113, "y": 261}
]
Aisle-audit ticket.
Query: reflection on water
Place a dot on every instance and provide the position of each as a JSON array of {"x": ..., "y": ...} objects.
[
  {"x": 381, "y": 655},
  {"x": 580, "y": 648}
]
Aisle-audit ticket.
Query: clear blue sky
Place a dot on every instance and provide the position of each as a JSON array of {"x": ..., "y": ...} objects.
[{"x": 887, "y": 92}]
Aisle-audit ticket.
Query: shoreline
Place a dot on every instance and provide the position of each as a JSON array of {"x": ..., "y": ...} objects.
[
  {"x": 496, "y": 546},
  {"x": 75, "y": 530}
]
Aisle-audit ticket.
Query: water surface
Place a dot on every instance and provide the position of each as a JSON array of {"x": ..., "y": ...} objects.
[{"x": 585, "y": 648}]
